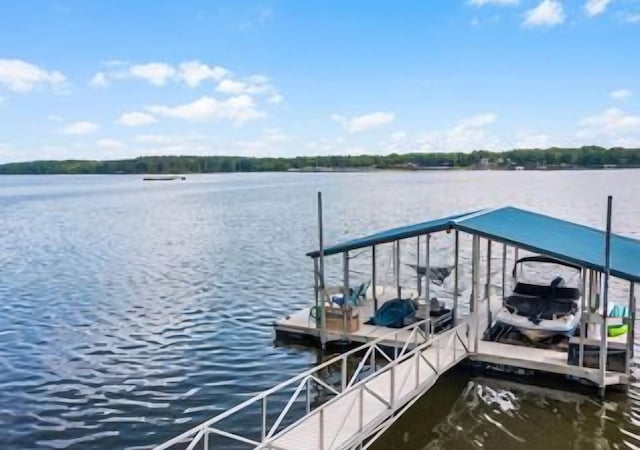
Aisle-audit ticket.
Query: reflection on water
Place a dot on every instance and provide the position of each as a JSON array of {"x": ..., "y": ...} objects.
[{"x": 131, "y": 311}]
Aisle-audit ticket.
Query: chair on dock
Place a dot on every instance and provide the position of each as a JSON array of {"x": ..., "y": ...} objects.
[{"x": 353, "y": 297}]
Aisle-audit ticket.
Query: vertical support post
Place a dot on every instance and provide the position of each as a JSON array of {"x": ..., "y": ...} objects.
[
  {"x": 322, "y": 285},
  {"x": 343, "y": 374},
  {"x": 345, "y": 273},
  {"x": 515, "y": 254},
  {"x": 361, "y": 406},
  {"x": 487, "y": 289},
  {"x": 418, "y": 277},
  {"x": 346, "y": 308},
  {"x": 316, "y": 290},
  {"x": 475, "y": 289},
  {"x": 631, "y": 321},
  {"x": 392, "y": 384},
  {"x": 206, "y": 439},
  {"x": 427, "y": 270},
  {"x": 583, "y": 316},
  {"x": 456, "y": 278},
  {"x": 605, "y": 294},
  {"x": 264, "y": 418},
  {"x": 504, "y": 271},
  {"x": 632, "y": 312},
  {"x": 373, "y": 278},
  {"x": 397, "y": 269},
  {"x": 308, "y": 395},
  {"x": 321, "y": 433}
]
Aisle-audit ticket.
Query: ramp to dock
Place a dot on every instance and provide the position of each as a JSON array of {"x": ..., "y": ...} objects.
[{"x": 376, "y": 385}]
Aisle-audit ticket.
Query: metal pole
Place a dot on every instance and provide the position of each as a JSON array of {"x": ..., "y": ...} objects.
[
  {"x": 632, "y": 312},
  {"x": 345, "y": 273},
  {"x": 504, "y": 271},
  {"x": 322, "y": 285},
  {"x": 373, "y": 278},
  {"x": 605, "y": 293},
  {"x": 475, "y": 286},
  {"x": 316, "y": 289},
  {"x": 427, "y": 270},
  {"x": 583, "y": 317},
  {"x": 397, "y": 267},
  {"x": 631, "y": 324},
  {"x": 487, "y": 290},
  {"x": 419, "y": 278},
  {"x": 455, "y": 278}
]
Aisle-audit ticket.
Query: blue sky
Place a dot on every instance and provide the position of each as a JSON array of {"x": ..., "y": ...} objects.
[{"x": 105, "y": 79}]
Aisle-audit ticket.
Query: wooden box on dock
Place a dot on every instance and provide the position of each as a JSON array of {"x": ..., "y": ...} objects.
[{"x": 341, "y": 319}]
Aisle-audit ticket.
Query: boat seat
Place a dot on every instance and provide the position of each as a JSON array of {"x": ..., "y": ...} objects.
[
  {"x": 539, "y": 308},
  {"x": 555, "y": 292}
]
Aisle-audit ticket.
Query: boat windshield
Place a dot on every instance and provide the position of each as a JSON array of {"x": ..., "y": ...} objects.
[{"x": 543, "y": 273}]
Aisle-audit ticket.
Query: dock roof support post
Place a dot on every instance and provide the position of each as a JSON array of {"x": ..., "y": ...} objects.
[
  {"x": 605, "y": 296},
  {"x": 316, "y": 288},
  {"x": 427, "y": 271},
  {"x": 345, "y": 272},
  {"x": 456, "y": 277},
  {"x": 373, "y": 278},
  {"x": 418, "y": 276},
  {"x": 487, "y": 289},
  {"x": 583, "y": 317},
  {"x": 322, "y": 286},
  {"x": 397, "y": 269},
  {"x": 504, "y": 271},
  {"x": 631, "y": 320},
  {"x": 475, "y": 288}
]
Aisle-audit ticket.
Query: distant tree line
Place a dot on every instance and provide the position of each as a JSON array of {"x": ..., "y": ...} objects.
[{"x": 551, "y": 158}]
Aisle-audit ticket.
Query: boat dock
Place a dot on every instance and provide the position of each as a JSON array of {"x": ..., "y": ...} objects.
[{"x": 350, "y": 400}]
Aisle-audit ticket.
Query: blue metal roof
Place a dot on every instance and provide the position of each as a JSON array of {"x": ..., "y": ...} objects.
[
  {"x": 561, "y": 239},
  {"x": 531, "y": 231},
  {"x": 391, "y": 235}
]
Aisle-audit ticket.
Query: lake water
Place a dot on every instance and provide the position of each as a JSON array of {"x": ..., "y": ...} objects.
[{"x": 131, "y": 310}]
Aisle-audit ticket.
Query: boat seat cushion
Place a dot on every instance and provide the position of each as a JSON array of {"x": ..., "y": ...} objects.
[{"x": 539, "y": 307}]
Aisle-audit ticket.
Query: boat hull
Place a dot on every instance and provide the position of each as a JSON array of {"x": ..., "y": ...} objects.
[{"x": 543, "y": 329}]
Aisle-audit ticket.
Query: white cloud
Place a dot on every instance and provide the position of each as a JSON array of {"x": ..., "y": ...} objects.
[
  {"x": 252, "y": 85},
  {"x": 358, "y": 124},
  {"x": 493, "y": 2},
  {"x": 468, "y": 134},
  {"x": 620, "y": 94},
  {"x": 610, "y": 121},
  {"x": 632, "y": 18},
  {"x": 596, "y": 7},
  {"x": 547, "y": 13},
  {"x": 194, "y": 72},
  {"x": 136, "y": 119},
  {"x": 191, "y": 73},
  {"x": 239, "y": 109},
  {"x": 156, "y": 73},
  {"x": 110, "y": 144},
  {"x": 21, "y": 76},
  {"x": 100, "y": 79},
  {"x": 80, "y": 128}
]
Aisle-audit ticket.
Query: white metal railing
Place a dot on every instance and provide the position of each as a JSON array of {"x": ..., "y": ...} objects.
[{"x": 366, "y": 358}]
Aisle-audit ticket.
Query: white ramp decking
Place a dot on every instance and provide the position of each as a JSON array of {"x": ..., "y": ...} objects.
[
  {"x": 371, "y": 406},
  {"x": 367, "y": 400}
]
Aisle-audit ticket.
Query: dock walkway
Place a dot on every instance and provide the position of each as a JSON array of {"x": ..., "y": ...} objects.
[{"x": 374, "y": 389}]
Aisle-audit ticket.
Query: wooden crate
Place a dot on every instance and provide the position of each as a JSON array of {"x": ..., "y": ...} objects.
[{"x": 342, "y": 319}]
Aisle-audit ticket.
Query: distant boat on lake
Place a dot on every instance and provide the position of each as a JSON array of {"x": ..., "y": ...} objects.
[{"x": 164, "y": 178}]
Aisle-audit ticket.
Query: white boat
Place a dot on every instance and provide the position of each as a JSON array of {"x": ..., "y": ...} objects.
[{"x": 547, "y": 306}]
